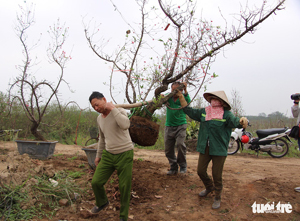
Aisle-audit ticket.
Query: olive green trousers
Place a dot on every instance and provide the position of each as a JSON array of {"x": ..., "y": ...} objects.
[
  {"x": 108, "y": 164},
  {"x": 217, "y": 171}
]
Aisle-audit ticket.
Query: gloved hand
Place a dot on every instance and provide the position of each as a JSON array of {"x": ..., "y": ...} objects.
[
  {"x": 181, "y": 98},
  {"x": 244, "y": 122}
]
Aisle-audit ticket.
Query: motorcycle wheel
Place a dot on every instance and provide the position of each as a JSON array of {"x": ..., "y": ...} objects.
[
  {"x": 283, "y": 144},
  {"x": 233, "y": 146}
]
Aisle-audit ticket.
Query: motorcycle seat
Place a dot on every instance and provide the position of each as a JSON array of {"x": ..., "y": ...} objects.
[{"x": 266, "y": 132}]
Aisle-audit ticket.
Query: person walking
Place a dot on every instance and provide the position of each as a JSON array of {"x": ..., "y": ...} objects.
[
  {"x": 114, "y": 152},
  {"x": 216, "y": 123},
  {"x": 296, "y": 114},
  {"x": 175, "y": 132}
]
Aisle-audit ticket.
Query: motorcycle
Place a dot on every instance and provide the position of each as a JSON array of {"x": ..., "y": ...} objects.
[
  {"x": 268, "y": 140},
  {"x": 239, "y": 137}
]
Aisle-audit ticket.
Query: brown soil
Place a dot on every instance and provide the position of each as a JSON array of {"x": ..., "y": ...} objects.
[
  {"x": 143, "y": 132},
  {"x": 156, "y": 196}
]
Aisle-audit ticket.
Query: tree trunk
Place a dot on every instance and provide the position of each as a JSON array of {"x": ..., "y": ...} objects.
[{"x": 35, "y": 133}]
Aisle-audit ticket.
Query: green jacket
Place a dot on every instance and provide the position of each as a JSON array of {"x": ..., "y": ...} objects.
[
  {"x": 217, "y": 132},
  {"x": 176, "y": 117}
]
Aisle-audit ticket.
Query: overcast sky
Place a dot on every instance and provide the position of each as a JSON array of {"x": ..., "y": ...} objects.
[{"x": 263, "y": 67}]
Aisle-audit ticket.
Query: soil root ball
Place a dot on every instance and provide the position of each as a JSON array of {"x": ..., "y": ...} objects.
[{"x": 143, "y": 132}]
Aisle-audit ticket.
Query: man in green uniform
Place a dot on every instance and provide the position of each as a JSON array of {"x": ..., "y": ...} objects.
[
  {"x": 115, "y": 152},
  {"x": 175, "y": 132}
]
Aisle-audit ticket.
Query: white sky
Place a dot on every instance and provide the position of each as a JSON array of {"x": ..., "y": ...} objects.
[{"x": 264, "y": 67}]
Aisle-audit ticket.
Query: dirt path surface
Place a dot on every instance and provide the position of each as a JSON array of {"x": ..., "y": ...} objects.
[{"x": 156, "y": 196}]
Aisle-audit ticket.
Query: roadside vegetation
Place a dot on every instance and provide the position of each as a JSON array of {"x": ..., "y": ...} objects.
[{"x": 73, "y": 128}]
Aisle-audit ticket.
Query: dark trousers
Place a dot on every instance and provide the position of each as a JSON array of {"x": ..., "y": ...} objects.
[
  {"x": 217, "y": 170},
  {"x": 176, "y": 135}
]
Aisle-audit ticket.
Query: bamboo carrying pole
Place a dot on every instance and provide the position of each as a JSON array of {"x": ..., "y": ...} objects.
[{"x": 128, "y": 106}]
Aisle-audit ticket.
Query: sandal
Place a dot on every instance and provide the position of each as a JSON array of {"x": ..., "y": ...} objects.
[{"x": 297, "y": 189}]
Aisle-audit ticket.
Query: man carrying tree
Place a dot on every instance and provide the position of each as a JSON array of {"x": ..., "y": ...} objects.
[
  {"x": 115, "y": 152},
  {"x": 175, "y": 132}
]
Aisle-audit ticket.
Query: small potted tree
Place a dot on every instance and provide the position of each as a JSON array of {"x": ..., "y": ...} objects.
[{"x": 34, "y": 95}]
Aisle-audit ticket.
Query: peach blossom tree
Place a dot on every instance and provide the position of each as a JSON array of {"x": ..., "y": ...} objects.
[
  {"x": 34, "y": 95},
  {"x": 185, "y": 52}
]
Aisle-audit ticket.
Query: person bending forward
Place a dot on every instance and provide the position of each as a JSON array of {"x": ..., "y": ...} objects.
[{"x": 114, "y": 152}]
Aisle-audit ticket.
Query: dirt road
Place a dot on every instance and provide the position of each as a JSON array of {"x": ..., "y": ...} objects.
[{"x": 156, "y": 196}]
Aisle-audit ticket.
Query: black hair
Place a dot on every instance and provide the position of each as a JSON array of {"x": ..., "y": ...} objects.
[
  {"x": 97, "y": 95},
  {"x": 176, "y": 83}
]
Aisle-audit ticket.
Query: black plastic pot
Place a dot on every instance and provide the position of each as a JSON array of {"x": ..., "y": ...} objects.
[
  {"x": 91, "y": 155},
  {"x": 36, "y": 149}
]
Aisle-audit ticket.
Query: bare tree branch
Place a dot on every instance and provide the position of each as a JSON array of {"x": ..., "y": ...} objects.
[
  {"x": 25, "y": 88},
  {"x": 194, "y": 48}
]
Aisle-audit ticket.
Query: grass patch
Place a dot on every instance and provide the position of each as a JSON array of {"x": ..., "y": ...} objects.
[
  {"x": 73, "y": 158},
  {"x": 37, "y": 197},
  {"x": 111, "y": 181},
  {"x": 12, "y": 204},
  {"x": 81, "y": 165},
  {"x": 75, "y": 174}
]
